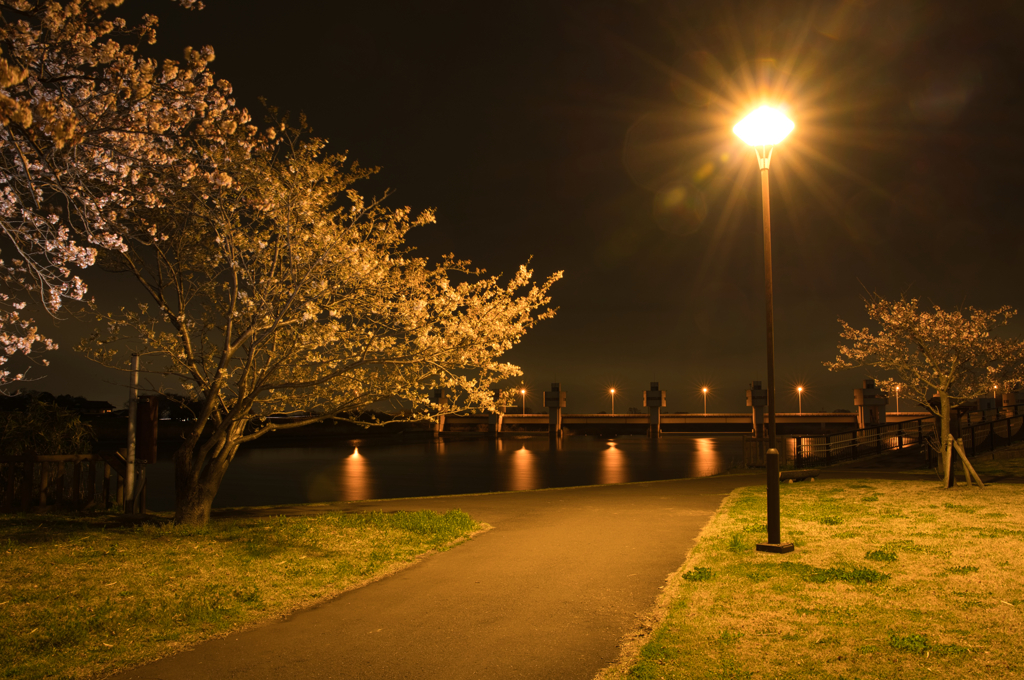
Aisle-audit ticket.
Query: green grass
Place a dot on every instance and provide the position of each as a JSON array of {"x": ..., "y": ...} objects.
[
  {"x": 935, "y": 590},
  {"x": 83, "y": 596}
]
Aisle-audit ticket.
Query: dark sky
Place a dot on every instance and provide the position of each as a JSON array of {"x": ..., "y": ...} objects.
[{"x": 595, "y": 136}]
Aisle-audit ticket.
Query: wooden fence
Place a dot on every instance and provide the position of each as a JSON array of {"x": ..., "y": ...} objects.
[{"x": 35, "y": 483}]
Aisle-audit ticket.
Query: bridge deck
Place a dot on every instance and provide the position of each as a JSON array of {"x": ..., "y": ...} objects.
[{"x": 690, "y": 422}]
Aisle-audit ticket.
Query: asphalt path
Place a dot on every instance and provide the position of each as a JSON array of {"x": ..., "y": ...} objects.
[{"x": 549, "y": 592}]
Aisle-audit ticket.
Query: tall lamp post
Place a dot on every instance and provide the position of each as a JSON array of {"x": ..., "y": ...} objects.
[
  {"x": 763, "y": 129},
  {"x": 612, "y": 390},
  {"x": 897, "y": 400},
  {"x": 523, "y": 393},
  {"x": 705, "y": 391},
  {"x": 800, "y": 399}
]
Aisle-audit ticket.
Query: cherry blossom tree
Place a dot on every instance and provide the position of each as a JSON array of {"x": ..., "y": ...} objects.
[
  {"x": 281, "y": 289},
  {"x": 954, "y": 356},
  {"x": 89, "y": 128}
]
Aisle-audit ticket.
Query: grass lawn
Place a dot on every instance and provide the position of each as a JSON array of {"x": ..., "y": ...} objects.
[
  {"x": 82, "y": 596},
  {"x": 889, "y": 580},
  {"x": 1010, "y": 463}
]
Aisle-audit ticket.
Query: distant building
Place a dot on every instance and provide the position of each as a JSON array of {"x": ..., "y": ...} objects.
[{"x": 96, "y": 408}]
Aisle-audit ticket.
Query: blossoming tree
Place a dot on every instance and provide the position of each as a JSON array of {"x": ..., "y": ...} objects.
[
  {"x": 953, "y": 356},
  {"x": 279, "y": 288},
  {"x": 89, "y": 128}
]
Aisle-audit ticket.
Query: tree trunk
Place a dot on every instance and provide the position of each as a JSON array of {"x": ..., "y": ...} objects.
[
  {"x": 945, "y": 441},
  {"x": 197, "y": 479},
  {"x": 193, "y": 509}
]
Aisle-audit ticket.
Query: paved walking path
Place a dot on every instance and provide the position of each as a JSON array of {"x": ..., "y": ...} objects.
[{"x": 548, "y": 593}]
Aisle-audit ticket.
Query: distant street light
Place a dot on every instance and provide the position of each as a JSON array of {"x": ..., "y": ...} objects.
[
  {"x": 897, "y": 400},
  {"x": 523, "y": 392},
  {"x": 612, "y": 390},
  {"x": 763, "y": 129},
  {"x": 705, "y": 391},
  {"x": 800, "y": 399}
]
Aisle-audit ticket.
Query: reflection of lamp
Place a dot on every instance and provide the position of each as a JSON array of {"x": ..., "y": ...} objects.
[
  {"x": 524, "y": 473},
  {"x": 800, "y": 399},
  {"x": 613, "y": 465},
  {"x": 762, "y": 129},
  {"x": 612, "y": 390},
  {"x": 356, "y": 478}
]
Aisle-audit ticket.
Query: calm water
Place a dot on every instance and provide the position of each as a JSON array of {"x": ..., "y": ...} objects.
[{"x": 368, "y": 469}]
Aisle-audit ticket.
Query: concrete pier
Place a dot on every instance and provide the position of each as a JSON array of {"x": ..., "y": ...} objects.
[
  {"x": 555, "y": 402},
  {"x": 870, "y": 403},
  {"x": 654, "y": 400},
  {"x": 757, "y": 399}
]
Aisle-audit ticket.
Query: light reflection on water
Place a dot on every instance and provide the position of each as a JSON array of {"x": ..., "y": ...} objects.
[
  {"x": 707, "y": 456},
  {"x": 613, "y": 465},
  {"x": 523, "y": 471},
  {"x": 366, "y": 469},
  {"x": 356, "y": 479}
]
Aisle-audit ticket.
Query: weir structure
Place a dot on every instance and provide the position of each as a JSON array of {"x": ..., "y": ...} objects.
[{"x": 868, "y": 400}]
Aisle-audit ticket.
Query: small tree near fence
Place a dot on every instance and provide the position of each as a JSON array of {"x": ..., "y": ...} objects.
[{"x": 953, "y": 356}]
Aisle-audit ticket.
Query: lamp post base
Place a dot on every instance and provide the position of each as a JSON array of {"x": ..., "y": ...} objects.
[{"x": 775, "y": 547}]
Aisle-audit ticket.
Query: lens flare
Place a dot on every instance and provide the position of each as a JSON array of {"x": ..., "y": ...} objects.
[{"x": 764, "y": 126}]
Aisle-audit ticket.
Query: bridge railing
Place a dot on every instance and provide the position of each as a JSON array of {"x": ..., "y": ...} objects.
[
  {"x": 991, "y": 434},
  {"x": 827, "y": 449}
]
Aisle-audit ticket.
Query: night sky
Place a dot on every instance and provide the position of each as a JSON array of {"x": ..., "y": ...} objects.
[{"x": 596, "y": 137}]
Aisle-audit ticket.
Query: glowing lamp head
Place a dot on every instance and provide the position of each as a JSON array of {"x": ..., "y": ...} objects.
[
  {"x": 522, "y": 391},
  {"x": 799, "y": 389},
  {"x": 764, "y": 127},
  {"x": 704, "y": 390},
  {"x": 612, "y": 390}
]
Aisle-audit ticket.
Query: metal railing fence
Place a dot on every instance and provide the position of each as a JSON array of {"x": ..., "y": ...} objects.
[
  {"x": 805, "y": 451},
  {"x": 991, "y": 434}
]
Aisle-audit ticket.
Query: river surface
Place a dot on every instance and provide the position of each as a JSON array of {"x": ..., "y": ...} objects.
[{"x": 369, "y": 469}]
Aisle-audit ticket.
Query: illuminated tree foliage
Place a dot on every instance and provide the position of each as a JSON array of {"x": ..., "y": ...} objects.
[
  {"x": 89, "y": 129},
  {"x": 952, "y": 356},
  {"x": 284, "y": 290}
]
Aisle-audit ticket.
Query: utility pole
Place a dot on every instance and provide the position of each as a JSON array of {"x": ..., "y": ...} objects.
[{"x": 133, "y": 410}]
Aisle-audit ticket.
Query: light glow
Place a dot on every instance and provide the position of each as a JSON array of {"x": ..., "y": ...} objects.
[{"x": 764, "y": 127}]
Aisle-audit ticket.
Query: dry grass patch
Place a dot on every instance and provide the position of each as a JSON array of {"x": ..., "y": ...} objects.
[
  {"x": 86, "y": 596},
  {"x": 888, "y": 580}
]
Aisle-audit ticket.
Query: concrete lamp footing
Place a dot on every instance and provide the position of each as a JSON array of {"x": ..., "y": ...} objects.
[{"x": 775, "y": 547}]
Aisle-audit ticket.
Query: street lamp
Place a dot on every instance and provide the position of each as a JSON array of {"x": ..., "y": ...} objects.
[
  {"x": 523, "y": 392},
  {"x": 800, "y": 398},
  {"x": 763, "y": 129},
  {"x": 705, "y": 391},
  {"x": 897, "y": 400},
  {"x": 612, "y": 390}
]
